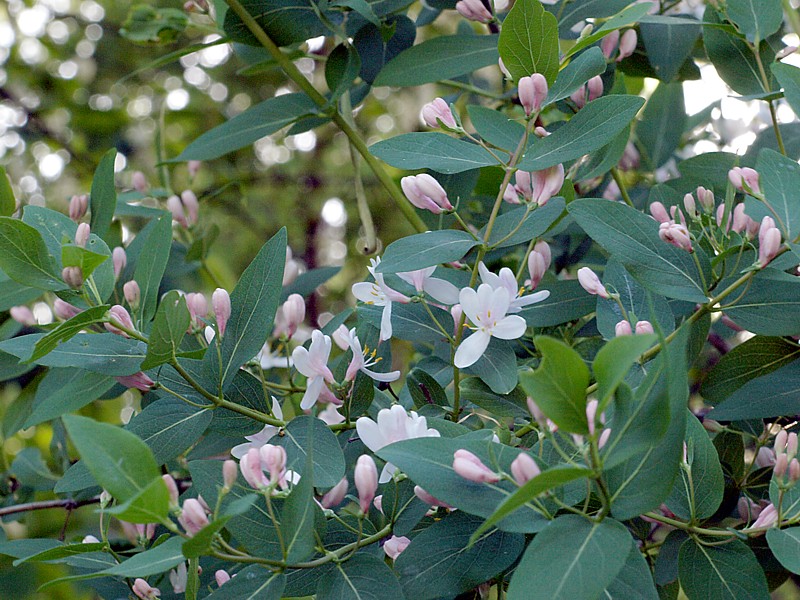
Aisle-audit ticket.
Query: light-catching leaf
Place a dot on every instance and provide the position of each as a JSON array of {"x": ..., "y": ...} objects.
[
  {"x": 435, "y": 151},
  {"x": 67, "y": 330},
  {"x": 727, "y": 572},
  {"x": 779, "y": 180},
  {"x": 529, "y": 41},
  {"x": 426, "y": 250},
  {"x": 8, "y": 203},
  {"x": 756, "y": 19},
  {"x": 103, "y": 196},
  {"x": 24, "y": 256},
  {"x": 170, "y": 325},
  {"x": 576, "y": 73}
]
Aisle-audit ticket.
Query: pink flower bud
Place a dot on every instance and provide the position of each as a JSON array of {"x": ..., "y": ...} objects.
[
  {"x": 457, "y": 313},
  {"x": 424, "y": 192},
  {"x": 221, "y": 577},
  {"x": 198, "y": 308},
  {"x": 172, "y": 488},
  {"x": 510, "y": 195},
  {"x": 273, "y": 459},
  {"x": 690, "y": 206},
  {"x": 366, "y": 478},
  {"x": 428, "y": 498},
  {"x": 139, "y": 381},
  {"x": 595, "y": 87},
  {"x": 780, "y": 442},
  {"x": 23, "y": 315},
  {"x": 677, "y": 215},
  {"x": 294, "y": 311},
  {"x": 120, "y": 259},
  {"x": 230, "y": 472},
  {"x": 706, "y": 198},
  {"x": 644, "y": 327},
  {"x": 72, "y": 276},
  {"x": 438, "y": 111},
  {"x": 627, "y": 44},
  {"x": 591, "y": 415},
  {"x": 788, "y": 50},
  {"x": 780, "y": 466},
  {"x": 659, "y": 212},
  {"x": 535, "y": 411},
  {"x": 579, "y": 97},
  {"x": 603, "y": 439},
  {"x": 132, "y": 293},
  {"x": 767, "y": 518},
  {"x": 744, "y": 179},
  {"x": 144, "y": 590},
  {"x": 250, "y": 466},
  {"x": 769, "y": 247},
  {"x": 78, "y": 205},
  {"x": 470, "y": 467},
  {"x": 395, "y": 545},
  {"x": 752, "y": 228},
  {"x": 90, "y": 539},
  {"x": 540, "y": 132},
  {"x": 546, "y": 183},
  {"x": 193, "y": 516},
  {"x": 505, "y": 71},
  {"x": 532, "y": 92},
  {"x": 675, "y": 234},
  {"x": 336, "y": 495},
  {"x": 193, "y": 166},
  {"x": 64, "y": 310},
  {"x": 791, "y": 445},
  {"x": 739, "y": 222},
  {"x": 623, "y": 328},
  {"x": 221, "y": 303},
  {"x": 794, "y": 470},
  {"x": 191, "y": 205},
  {"x": 377, "y": 502},
  {"x": 609, "y": 43},
  {"x": 474, "y": 10},
  {"x": 139, "y": 182},
  {"x": 121, "y": 316},
  {"x": 591, "y": 283},
  {"x": 538, "y": 263},
  {"x": 524, "y": 468},
  {"x": 175, "y": 206},
  {"x": 630, "y": 158},
  {"x": 82, "y": 235}
]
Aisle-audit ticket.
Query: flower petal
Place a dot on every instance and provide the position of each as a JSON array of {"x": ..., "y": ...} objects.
[
  {"x": 530, "y": 299},
  {"x": 471, "y": 349},
  {"x": 441, "y": 290},
  {"x": 369, "y": 293},
  {"x": 302, "y": 362},
  {"x": 386, "y": 322},
  {"x": 384, "y": 377},
  {"x": 470, "y": 303},
  {"x": 370, "y": 434},
  {"x": 313, "y": 389},
  {"x": 510, "y": 328}
]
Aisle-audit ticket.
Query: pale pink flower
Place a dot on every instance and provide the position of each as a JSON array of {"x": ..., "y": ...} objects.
[
  {"x": 366, "y": 479},
  {"x": 72, "y": 276},
  {"x": 627, "y": 44},
  {"x": 595, "y": 87},
  {"x": 540, "y": 186},
  {"x": 139, "y": 380},
  {"x": 438, "y": 110},
  {"x": 313, "y": 363},
  {"x": 330, "y": 415},
  {"x": 178, "y": 577},
  {"x": 470, "y": 467},
  {"x": 175, "y": 206},
  {"x": 644, "y": 327},
  {"x": 172, "y": 488},
  {"x": 424, "y": 192},
  {"x": 538, "y": 263},
  {"x": 139, "y": 182},
  {"x": 193, "y": 516},
  {"x": 132, "y": 293},
  {"x": 120, "y": 259},
  {"x": 192, "y": 206},
  {"x": 23, "y": 315},
  {"x": 82, "y": 234},
  {"x": 262, "y": 437},
  {"x": 395, "y": 545},
  {"x": 591, "y": 283},
  {"x": 294, "y": 312},
  {"x": 379, "y": 294},
  {"x": 429, "y": 498},
  {"x": 767, "y": 518},
  {"x": 336, "y": 495},
  {"x": 65, "y": 310},
  {"x": 506, "y": 280},
  {"x": 659, "y": 212},
  {"x": 121, "y": 316},
  {"x": 474, "y": 10},
  {"x": 609, "y": 43},
  {"x": 78, "y": 205},
  {"x": 532, "y": 92},
  {"x": 524, "y": 468},
  {"x": 361, "y": 361},
  {"x": 622, "y": 328},
  {"x": 439, "y": 289},
  {"x": 221, "y": 303},
  {"x": 144, "y": 590},
  {"x": 769, "y": 243},
  {"x": 675, "y": 234},
  {"x": 744, "y": 179},
  {"x": 222, "y": 577}
]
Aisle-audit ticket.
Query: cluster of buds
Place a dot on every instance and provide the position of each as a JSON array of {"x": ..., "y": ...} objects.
[
  {"x": 739, "y": 223},
  {"x": 532, "y": 92},
  {"x": 474, "y": 10},
  {"x": 259, "y": 461},
  {"x": 424, "y": 192},
  {"x": 624, "y": 328},
  {"x": 769, "y": 241},
  {"x": 586, "y": 93},
  {"x": 194, "y": 516},
  {"x": 626, "y": 44},
  {"x": 185, "y": 209},
  {"x": 366, "y": 480},
  {"x": 672, "y": 226},
  {"x": 744, "y": 179},
  {"x": 538, "y": 263},
  {"x": 785, "y": 448},
  {"x": 591, "y": 283},
  {"x": 437, "y": 114},
  {"x": 138, "y": 533},
  {"x": 536, "y": 187}
]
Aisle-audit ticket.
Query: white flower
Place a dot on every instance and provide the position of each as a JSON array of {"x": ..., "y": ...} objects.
[
  {"x": 313, "y": 364},
  {"x": 361, "y": 361},
  {"x": 178, "y": 577},
  {"x": 330, "y": 415},
  {"x": 486, "y": 310},
  {"x": 438, "y": 289},
  {"x": 273, "y": 359},
  {"x": 262, "y": 437},
  {"x": 394, "y": 424},
  {"x": 507, "y": 281},
  {"x": 379, "y": 294}
]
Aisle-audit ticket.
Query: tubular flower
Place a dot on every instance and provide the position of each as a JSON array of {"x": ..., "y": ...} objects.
[
  {"x": 507, "y": 281},
  {"x": 438, "y": 289},
  {"x": 675, "y": 234},
  {"x": 313, "y": 364},
  {"x": 532, "y": 92},
  {"x": 744, "y": 179},
  {"x": 361, "y": 360},
  {"x": 486, "y": 309},
  {"x": 379, "y": 294},
  {"x": 538, "y": 263},
  {"x": 262, "y": 437},
  {"x": 539, "y": 186},
  {"x": 366, "y": 479},
  {"x": 591, "y": 283}
]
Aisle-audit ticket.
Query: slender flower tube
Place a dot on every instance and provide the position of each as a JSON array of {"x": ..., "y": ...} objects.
[
  {"x": 172, "y": 488},
  {"x": 591, "y": 283},
  {"x": 361, "y": 361},
  {"x": 313, "y": 363},
  {"x": 429, "y": 498},
  {"x": 366, "y": 479},
  {"x": 470, "y": 467},
  {"x": 439, "y": 289}
]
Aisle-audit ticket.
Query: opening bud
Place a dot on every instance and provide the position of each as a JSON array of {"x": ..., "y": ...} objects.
[
  {"x": 221, "y": 303},
  {"x": 424, "y": 192},
  {"x": 437, "y": 113},
  {"x": 591, "y": 283},
  {"x": 120, "y": 259},
  {"x": 73, "y": 277},
  {"x": 524, "y": 468},
  {"x": 470, "y": 467},
  {"x": 132, "y": 293},
  {"x": 78, "y": 205},
  {"x": 366, "y": 479},
  {"x": 82, "y": 234}
]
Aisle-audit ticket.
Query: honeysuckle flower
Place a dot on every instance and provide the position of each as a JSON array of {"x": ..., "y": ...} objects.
[
  {"x": 72, "y": 276},
  {"x": 273, "y": 359},
  {"x": 250, "y": 466},
  {"x": 336, "y": 495},
  {"x": 273, "y": 459},
  {"x": 139, "y": 182},
  {"x": 366, "y": 479},
  {"x": 677, "y": 215},
  {"x": 222, "y": 577},
  {"x": 706, "y": 198},
  {"x": 532, "y": 92},
  {"x": 193, "y": 167},
  {"x": 594, "y": 87},
  {"x": 767, "y": 518},
  {"x": 769, "y": 238},
  {"x": 438, "y": 111},
  {"x": 78, "y": 205},
  {"x": 470, "y": 467},
  {"x": 190, "y": 204},
  {"x": 178, "y": 578},
  {"x": 330, "y": 415},
  {"x": 230, "y": 472},
  {"x": 439, "y": 289},
  {"x": 623, "y": 328},
  {"x": 193, "y": 516},
  {"x": 362, "y": 359},
  {"x": 221, "y": 304},
  {"x": 291, "y": 268},
  {"x": 643, "y": 327},
  {"x": 175, "y": 206},
  {"x": 506, "y": 280},
  {"x": 90, "y": 539},
  {"x": 379, "y": 294},
  {"x": 22, "y": 315},
  {"x": 144, "y": 590},
  {"x": 603, "y": 439},
  {"x": 424, "y": 192},
  {"x": 486, "y": 309},
  {"x": 119, "y": 258},
  {"x": 474, "y": 10},
  {"x": 82, "y": 234},
  {"x": 744, "y": 179},
  {"x": 393, "y": 425},
  {"x": 627, "y": 44},
  {"x": 591, "y": 283},
  {"x": 579, "y": 97},
  {"x": 132, "y": 293},
  {"x": 591, "y": 415},
  {"x": 538, "y": 263},
  {"x": 172, "y": 488},
  {"x": 139, "y": 380},
  {"x": 740, "y": 219},
  {"x": 294, "y": 312},
  {"x": 781, "y": 465},
  {"x": 630, "y": 158},
  {"x": 524, "y": 468},
  {"x": 64, "y": 310},
  {"x": 395, "y": 545},
  {"x": 262, "y": 437},
  {"x": 313, "y": 364},
  {"x": 121, "y": 316},
  {"x": 609, "y": 44},
  {"x": 377, "y": 502},
  {"x": 659, "y": 212},
  {"x": 675, "y": 234},
  {"x": 794, "y": 470},
  {"x": 138, "y": 533},
  {"x": 540, "y": 186}
]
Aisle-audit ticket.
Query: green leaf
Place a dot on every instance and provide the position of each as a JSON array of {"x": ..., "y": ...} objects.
[
  {"x": 170, "y": 325},
  {"x": 495, "y": 127},
  {"x": 571, "y": 558},
  {"x": 528, "y": 42},
  {"x": 169, "y": 426},
  {"x": 151, "y": 505},
  {"x": 780, "y": 180},
  {"x": 68, "y": 329},
  {"x": 669, "y": 42},
  {"x": 146, "y": 24},
  {"x": 698, "y": 494},
  {"x": 362, "y": 577},
  {"x": 13, "y": 293},
  {"x": 425, "y": 250},
  {"x": 573, "y": 12},
  {"x": 559, "y": 384},
  {"x": 727, "y": 572},
  {"x": 567, "y": 301},
  {"x": 601, "y": 161},
  {"x": 104, "y": 353},
  {"x": 441, "y": 562},
  {"x": 429, "y": 463},
  {"x": 785, "y": 545},
  {"x": 594, "y": 126},
  {"x": 435, "y": 151},
  {"x": 478, "y": 393},
  {"x": 150, "y": 562},
  {"x": 424, "y": 389},
  {"x": 625, "y": 18},
  {"x": 253, "y": 305},
  {"x": 614, "y": 360},
  {"x": 497, "y": 367},
  {"x": 788, "y": 77},
  {"x": 731, "y": 55},
  {"x": 306, "y": 283},
  {"x": 103, "y": 196},
  {"x": 547, "y": 480},
  {"x": 634, "y": 581},
  {"x": 341, "y": 69},
  {"x": 297, "y": 515},
  {"x": 754, "y": 358},
  {"x": 8, "y": 203},
  {"x": 582, "y": 68},
  {"x": 60, "y": 552},
  {"x": 769, "y": 306},
  {"x": 66, "y": 390},
  {"x": 24, "y": 256},
  {"x": 511, "y": 228},
  {"x": 632, "y": 238},
  {"x": 76, "y": 256},
  {"x": 151, "y": 264},
  {"x": 265, "y": 118},
  {"x": 328, "y": 460},
  {"x": 756, "y": 19},
  {"x": 252, "y": 583},
  {"x": 663, "y": 123},
  {"x": 750, "y": 401},
  {"x": 286, "y": 22},
  {"x": 118, "y": 460},
  {"x": 442, "y": 57},
  {"x": 31, "y": 471}
]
